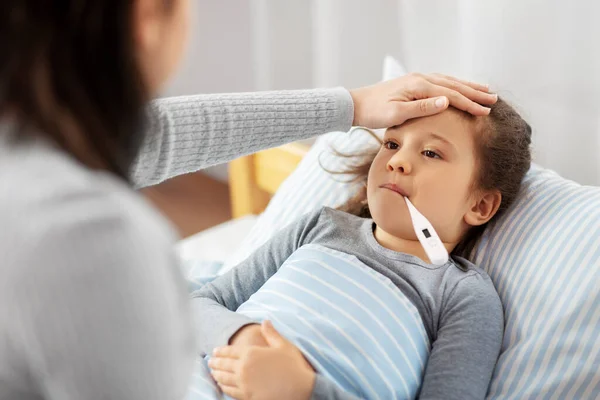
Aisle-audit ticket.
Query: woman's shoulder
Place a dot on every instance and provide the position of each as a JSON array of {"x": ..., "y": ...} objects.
[
  {"x": 90, "y": 274},
  {"x": 57, "y": 215},
  {"x": 83, "y": 255}
]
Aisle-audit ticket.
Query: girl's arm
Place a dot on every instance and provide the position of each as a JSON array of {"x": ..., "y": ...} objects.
[
  {"x": 469, "y": 338},
  {"x": 189, "y": 133},
  {"x": 214, "y": 304},
  {"x": 325, "y": 389},
  {"x": 277, "y": 371}
]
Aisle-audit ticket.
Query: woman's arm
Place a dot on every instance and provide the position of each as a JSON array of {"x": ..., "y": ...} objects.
[
  {"x": 188, "y": 133},
  {"x": 185, "y": 134},
  {"x": 469, "y": 338}
]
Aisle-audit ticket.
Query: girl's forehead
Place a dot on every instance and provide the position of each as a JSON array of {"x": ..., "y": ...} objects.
[{"x": 448, "y": 124}]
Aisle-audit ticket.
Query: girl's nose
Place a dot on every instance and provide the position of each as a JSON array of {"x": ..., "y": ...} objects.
[{"x": 400, "y": 164}]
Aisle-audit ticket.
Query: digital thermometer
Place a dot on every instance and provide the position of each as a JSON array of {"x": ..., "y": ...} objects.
[{"x": 431, "y": 242}]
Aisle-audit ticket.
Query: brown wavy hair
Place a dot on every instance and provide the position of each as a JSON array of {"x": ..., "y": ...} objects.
[
  {"x": 503, "y": 156},
  {"x": 77, "y": 59}
]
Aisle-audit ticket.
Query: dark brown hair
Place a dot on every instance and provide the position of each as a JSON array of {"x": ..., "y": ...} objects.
[
  {"x": 503, "y": 155},
  {"x": 74, "y": 58}
]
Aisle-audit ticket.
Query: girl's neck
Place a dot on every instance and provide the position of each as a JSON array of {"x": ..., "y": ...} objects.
[{"x": 408, "y": 246}]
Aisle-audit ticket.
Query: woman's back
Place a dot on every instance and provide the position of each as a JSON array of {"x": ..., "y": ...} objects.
[{"x": 81, "y": 254}]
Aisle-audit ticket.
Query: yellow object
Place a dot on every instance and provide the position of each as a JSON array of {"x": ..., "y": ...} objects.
[{"x": 255, "y": 178}]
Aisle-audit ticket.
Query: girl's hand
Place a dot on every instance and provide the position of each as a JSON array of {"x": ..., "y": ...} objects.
[
  {"x": 249, "y": 335},
  {"x": 279, "y": 371},
  {"x": 392, "y": 102}
]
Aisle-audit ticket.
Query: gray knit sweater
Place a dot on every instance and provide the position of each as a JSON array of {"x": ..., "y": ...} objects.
[{"x": 91, "y": 302}]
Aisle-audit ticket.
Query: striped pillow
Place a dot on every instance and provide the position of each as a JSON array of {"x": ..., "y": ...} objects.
[
  {"x": 308, "y": 188},
  {"x": 543, "y": 257}
]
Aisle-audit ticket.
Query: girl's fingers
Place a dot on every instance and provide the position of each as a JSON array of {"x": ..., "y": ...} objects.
[
  {"x": 227, "y": 352},
  {"x": 223, "y": 364},
  {"x": 232, "y": 391},
  {"x": 225, "y": 378}
]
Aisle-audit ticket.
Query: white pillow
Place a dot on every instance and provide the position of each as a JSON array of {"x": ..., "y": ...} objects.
[
  {"x": 307, "y": 188},
  {"x": 392, "y": 68}
]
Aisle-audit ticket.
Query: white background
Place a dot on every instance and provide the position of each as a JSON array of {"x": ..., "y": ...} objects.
[{"x": 543, "y": 56}]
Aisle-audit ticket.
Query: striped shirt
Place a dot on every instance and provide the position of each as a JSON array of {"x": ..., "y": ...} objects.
[{"x": 457, "y": 302}]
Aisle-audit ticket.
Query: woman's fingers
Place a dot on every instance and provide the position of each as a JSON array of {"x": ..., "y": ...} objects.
[
  {"x": 223, "y": 364},
  {"x": 393, "y": 102},
  {"x": 423, "y": 108},
  {"x": 457, "y": 99},
  {"x": 474, "y": 85},
  {"x": 467, "y": 91}
]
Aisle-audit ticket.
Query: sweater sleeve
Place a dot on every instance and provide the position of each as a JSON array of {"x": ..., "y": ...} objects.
[
  {"x": 185, "y": 134},
  {"x": 464, "y": 354},
  {"x": 325, "y": 389}
]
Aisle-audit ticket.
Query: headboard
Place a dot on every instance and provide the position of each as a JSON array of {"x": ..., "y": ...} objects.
[{"x": 255, "y": 178}]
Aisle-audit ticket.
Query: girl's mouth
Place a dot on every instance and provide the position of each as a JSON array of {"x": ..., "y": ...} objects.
[{"x": 395, "y": 188}]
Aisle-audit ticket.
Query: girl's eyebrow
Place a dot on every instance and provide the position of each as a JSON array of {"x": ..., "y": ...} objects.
[
  {"x": 429, "y": 134},
  {"x": 440, "y": 138}
]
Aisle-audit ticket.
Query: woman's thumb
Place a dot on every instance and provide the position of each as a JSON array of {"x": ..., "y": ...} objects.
[
  {"x": 273, "y": 338},
  {"x": 425, "y": 107}
]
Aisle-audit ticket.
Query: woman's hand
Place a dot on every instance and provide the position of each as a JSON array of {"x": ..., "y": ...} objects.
[
  {"x": 279, "y": 371},
  {"x": 392, "y": 102}
]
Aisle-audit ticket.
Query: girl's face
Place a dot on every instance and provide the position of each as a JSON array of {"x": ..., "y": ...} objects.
[
  {"x": 431, "y": 161},
  {"x": 161, "y": 29}
]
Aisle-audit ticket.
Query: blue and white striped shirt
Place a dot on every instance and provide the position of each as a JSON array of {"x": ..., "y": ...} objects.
[{"x": 459, "y": 308}]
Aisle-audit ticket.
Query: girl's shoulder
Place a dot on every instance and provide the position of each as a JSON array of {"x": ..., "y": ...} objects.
[
  {"x": 467, "y": 280},
  {"x": 341, "y": 216}
]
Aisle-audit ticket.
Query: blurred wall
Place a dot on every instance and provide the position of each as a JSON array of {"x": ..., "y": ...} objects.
[{"x": 543, "y": 56}]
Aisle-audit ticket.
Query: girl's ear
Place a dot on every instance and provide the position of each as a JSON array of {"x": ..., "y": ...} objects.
[{"x": 484, "y": 208}]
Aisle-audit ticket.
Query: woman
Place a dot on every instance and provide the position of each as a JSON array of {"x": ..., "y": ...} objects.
[{"x": 92, "y": 306}]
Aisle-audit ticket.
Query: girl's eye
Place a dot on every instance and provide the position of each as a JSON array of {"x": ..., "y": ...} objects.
[
  {"x": 431, "y": 154},
  {"x": 390, "y": 145}
]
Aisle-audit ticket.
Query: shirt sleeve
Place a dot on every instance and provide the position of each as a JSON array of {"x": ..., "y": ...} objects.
[
  {"x": 325, "y": 389},
  {"x": 468, "y": 342},
  {"x": 103, "y": 310},
  {"x": 188, "y": 133},
  {"x": 214, "y": 305}
]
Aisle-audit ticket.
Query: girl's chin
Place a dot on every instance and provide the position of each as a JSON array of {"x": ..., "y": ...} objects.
[{"x": 403, "y": 232}]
